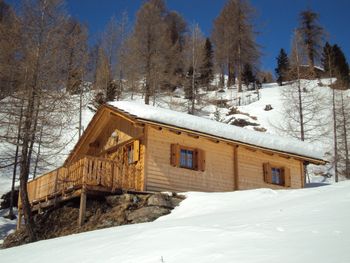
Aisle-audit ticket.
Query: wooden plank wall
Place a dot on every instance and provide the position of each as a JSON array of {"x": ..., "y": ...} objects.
[
  {"x": 250, "y": 169},
  {"x": 160, "y": 175}
]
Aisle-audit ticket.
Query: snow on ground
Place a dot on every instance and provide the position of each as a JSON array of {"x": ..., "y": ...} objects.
[
  {"x": 6, "y": 226},
  {"x": 306, "y": 225}
]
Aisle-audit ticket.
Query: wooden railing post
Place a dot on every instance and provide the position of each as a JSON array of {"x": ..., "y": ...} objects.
[
  {"x": 82, "y": 208},
  {"x": 112, "y": 175}
]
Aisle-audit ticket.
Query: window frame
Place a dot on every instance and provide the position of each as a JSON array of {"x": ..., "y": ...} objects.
[
  {"x": 284, "y": 175},
  {"x": 198, "y": 157},
  {"x": 280, "y": 176},
  {"x": 194, "y": 160},
  {"x": 130, "y": 153}
]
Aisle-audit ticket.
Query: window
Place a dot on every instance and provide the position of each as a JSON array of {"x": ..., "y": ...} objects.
[
  {"x": 274, "y": 174},
  {"x": 187, "y": 157},
  {"x": 133, "y": 151},
  {"x": 130, "y": 153},
  {"x": 277, "y": 175}
]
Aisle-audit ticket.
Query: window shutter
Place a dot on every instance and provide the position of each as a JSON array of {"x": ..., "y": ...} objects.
[
  {"x": 267, "y": 173},
  {"x": 201, "y": 160},
  {"x": 136, "y": 156},
  {"x": 174, "y": 155},
  {"x": 287, "y": 177}
]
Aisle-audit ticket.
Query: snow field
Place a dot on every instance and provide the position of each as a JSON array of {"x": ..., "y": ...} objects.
[{"x": 307, "y": 225}]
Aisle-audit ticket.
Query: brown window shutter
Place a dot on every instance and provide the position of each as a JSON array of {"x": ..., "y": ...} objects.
[
  {"x": 174, "y": 154},
  {"x": 201, "y": 160},
  {"x": 287, "y": 177},
  {"x": 136, "y": 156},
  {"x": 267, "y": 173}
]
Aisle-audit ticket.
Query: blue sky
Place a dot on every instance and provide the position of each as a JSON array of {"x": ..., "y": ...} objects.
[{"x": 275, "y": 22}]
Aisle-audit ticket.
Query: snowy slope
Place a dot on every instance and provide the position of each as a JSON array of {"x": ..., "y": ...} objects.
[{"x": 308, "y": 225}]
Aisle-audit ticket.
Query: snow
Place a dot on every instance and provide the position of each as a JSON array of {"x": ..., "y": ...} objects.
[
  {"x": 6, "y": 226},
  {"x": 306, "y": 225},
  {"x": 194, "y": 123}
]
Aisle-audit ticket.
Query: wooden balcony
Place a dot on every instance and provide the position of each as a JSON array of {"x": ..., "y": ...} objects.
[{"x": 88, "y": 174}]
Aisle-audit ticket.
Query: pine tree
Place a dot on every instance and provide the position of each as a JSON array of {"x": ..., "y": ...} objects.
[
  {"x": 341, "y": 67},
  {"x": 282, "y": 67},
  {"x": 176, "y": 29},
  {"x": 327, "y": 58},
  {"x": 247, "y": 75},
  {"x": 206, "y": 69},
  {"x": 312, "y": 35}
]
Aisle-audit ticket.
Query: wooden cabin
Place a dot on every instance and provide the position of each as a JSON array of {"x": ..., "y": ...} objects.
[{"x": 135, "y": 147}]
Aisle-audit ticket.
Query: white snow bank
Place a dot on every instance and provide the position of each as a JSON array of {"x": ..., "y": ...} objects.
[
  {"x": 307, "y": 225},
  {"x": 187, "y": 121}
]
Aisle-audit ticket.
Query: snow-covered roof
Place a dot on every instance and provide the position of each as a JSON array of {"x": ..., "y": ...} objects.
[{"x": 218, "y": 129}]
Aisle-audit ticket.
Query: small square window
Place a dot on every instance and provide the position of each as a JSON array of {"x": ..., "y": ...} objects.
[
  {"x": 276, "y": 175},
  {"x": 186, "y": 159}
]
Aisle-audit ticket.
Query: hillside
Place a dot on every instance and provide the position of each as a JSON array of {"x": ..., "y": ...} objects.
[
  {"x": 215, "y": 105},
  {"x": 307, "y": 225}
]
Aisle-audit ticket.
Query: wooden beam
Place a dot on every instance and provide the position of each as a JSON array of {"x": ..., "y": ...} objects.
[
  {"x": 250, "y": 149},
  {"x": 193, "y": 135},
  {"x": 146, "y": 152},
  {"x": 82, "y": 208},
  {"x": 116, "y": 147},
  {"x": 235, "y": 168},
  {"x": 233, "y": 142},
  {"x": 94, "y": 144},
  {"x": 175, "y": 131}
]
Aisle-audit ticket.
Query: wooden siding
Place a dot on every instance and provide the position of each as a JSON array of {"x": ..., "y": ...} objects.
[
  {"x": 250, "y": 169},
  {"x": 160, "y": 175}
]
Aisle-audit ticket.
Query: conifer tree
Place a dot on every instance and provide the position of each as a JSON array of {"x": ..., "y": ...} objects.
[
  {"x": 247, "y": 75},
  {"x": 341, "y": 67},
  {"x": 327, "y": 58},
  {"x": 206, "y": 69},
  {"x": 282, "y": 67}
]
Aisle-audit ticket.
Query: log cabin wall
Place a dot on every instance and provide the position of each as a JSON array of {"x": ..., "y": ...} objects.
[
  {"x": 218, "y": 174},
  {"x": 251, "y": 173}
]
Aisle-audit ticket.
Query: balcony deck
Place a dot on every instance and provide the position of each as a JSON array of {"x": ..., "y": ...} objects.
[{"x": 88, "y": 175}]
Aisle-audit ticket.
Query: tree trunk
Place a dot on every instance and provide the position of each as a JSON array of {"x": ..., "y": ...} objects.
[
  {"x": 347, "y": 168},
  {"x": 38, "y": 153},
  {"x": 24, "y": 170},
  {"x": 335, "y": 137},
  {"x": 231, "y": 74},
  {"x": 11, "y": 214}
]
